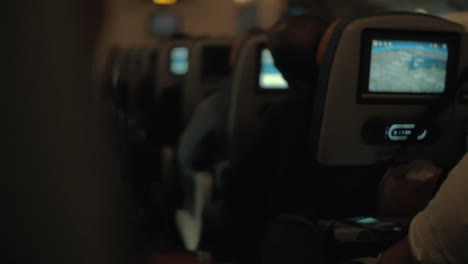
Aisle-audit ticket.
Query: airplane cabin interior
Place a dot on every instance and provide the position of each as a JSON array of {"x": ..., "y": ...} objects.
[{"x": 236, "y": 131}]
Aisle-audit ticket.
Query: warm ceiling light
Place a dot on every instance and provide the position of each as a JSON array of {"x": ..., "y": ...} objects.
[
  {"x": 242, "y": 1},
  {"x": 165, "y": 2},
  {"x": 421, "y": 10}
]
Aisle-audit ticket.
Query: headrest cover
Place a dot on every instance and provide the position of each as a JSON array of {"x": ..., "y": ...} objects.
[{"x": 326, "y": 38}]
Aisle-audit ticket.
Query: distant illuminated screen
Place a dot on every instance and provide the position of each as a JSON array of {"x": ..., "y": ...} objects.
[
  {"x": 297, "y": 10},
  {"x": 165, "y": 24},
  {"x": 408, "y": 67},
  {"x": 179, "y": 60},
  {"x": 270, "y": 77}
]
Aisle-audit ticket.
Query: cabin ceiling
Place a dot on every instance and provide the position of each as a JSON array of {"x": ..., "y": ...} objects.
[{"x": 431, "y": 6}]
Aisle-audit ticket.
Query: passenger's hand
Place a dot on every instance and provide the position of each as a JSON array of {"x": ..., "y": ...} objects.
[{"x": 406, "y": 190}]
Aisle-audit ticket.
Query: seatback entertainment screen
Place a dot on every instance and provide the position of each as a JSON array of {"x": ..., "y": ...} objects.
[
  {"x": 270, "y": 77},
  {"x": 407, "y": 65},
  {"x": 179, "y": 60},
  {"x": 415, "y": 67},
  {"x": 163, "y": 24}
]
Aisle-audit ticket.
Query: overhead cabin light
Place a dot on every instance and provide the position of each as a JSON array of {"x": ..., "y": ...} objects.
[
  {"x": 165, "y": 2},
  {"x": 242, "y": 1},
  {"x": 421, "y": 10}
]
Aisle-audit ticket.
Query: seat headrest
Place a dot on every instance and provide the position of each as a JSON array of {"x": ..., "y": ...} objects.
[
  {"x": 257, "y": 85},
  {"x": 172, "y": 64},
  {"x": 379, "y": 74},
  {"x": 209, "y": 67},
  {"x": 325, "y": 41}
]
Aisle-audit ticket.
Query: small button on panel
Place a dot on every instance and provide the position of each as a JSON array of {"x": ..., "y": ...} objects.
[
  {"x": 383, "y": 131},
  {"x": 402, "y": 132}
]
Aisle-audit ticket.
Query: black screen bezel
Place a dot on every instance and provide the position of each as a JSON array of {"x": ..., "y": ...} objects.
[
  {"x": 203, "y": 67},
  {"x": 169, "y": 66},
  {"x": 260, "y": 89},
  {"x": 365, "y": 96}
]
